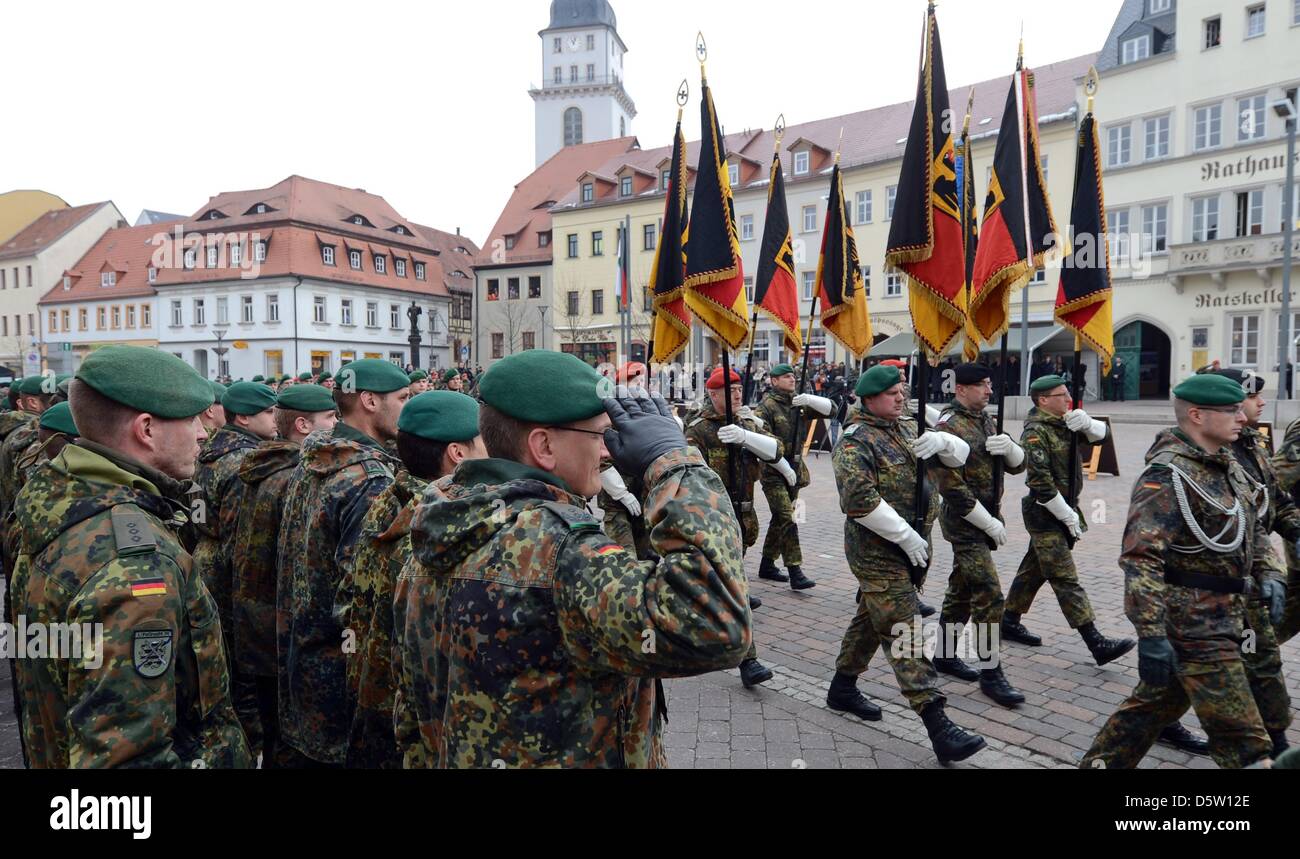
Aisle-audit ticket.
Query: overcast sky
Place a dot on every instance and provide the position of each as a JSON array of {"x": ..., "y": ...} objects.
[{"x": 162, "y": 105}]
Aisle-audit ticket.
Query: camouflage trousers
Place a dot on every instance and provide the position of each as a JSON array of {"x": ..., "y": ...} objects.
[
  {"x": 1264, "y": 670},
  {"x": 1049, "y": 561},
  {"x": 782, "y": 540},
  {"x": 888, "y": 617},
  {"x": 1290, "y": 625},
  {"x": 974, "y": 591},
  {"x": 1220, "y": 694}
]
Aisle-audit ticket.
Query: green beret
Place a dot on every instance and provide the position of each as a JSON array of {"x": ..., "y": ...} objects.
[
  {"x": 1047, "y": 383},
  {"x": 440, "y": 416},
  {"x": 58, "y": 418},
  {"x": 33, "y": 385},
  {"x": 218, "y": 390},
  {"x": 418, "y": 376},
  {"x": 782, "y": 370},
  {"x": 451, "y": 374},
  {"x": 324, "y": 377},
  {"x": 372, "y": 374},
  {"x": 147, "y": 380},
  {"x": 304, "y": 377},
  {"x": 1210, "y": 390},
  {"x": 877, "y": 380},
  {"x": 257, "y": 379},
  {"x": 543, "y": 387},
  {"x": 306, "y": 398},
  {"x": 248, "y": 398}
]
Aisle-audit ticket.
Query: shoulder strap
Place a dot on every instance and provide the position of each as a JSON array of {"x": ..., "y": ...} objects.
[
  {"x": 132, "y": 532},
  {"x": 575, "y": 518}
]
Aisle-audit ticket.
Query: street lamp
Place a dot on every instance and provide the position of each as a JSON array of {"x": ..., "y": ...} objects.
[
  {"x": 542, "y": 311},
  {"x": 1285, "y": 109},
  {"x": 221, "y": 350}
]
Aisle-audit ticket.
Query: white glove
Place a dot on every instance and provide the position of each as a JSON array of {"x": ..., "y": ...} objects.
[
  {"x": 762, "y": 446},
  {"x": 1003, "y": 446},
  {"x": 747, "y": 414},
  {"x": 932, "y": 416},
  {"x": 820, "y": 405},
  {"x": 1060, "y": 508},
  {"x": 983, "y": 520},
  {"x": 612, "y": 482},
  {"x": 1080, "y": 421},
  {"x": 680, "y": 424},
  {"x": 785, "y": 470},
  {"x": 886, "y": 522},
  {"x": 951, "y": 450}
]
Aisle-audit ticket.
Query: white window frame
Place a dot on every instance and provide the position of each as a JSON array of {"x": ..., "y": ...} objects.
[
  {"x": 733, "y": 175},
  {"x": 891, "y": 197},
  {"x": 200, "y": 312},
  {"x": 327, "y": 254},
  {"x": 236, "y": 253},
  {"x": 372, "y": 314},
  {"x": 399, "y": 267},
  {"x": 893, "y": 285},
  {"x": 419, "y": 271},
  {"x": 1252, "y": 18},
  {"x": 319, "y": 309},
  {"x": 1119, "y": 145},
  {"x": 273, "y": 308},
  {"x": 259, "y": 252},
  {"x": 223, "y": 310},
  {"x": 106, "y": 278},
  {"x": 809, "y": 285},
  {"x": 153, "y": 274},
  {"x": 212, "y": 256},
  {"x": 246, "y": 314},
  {"x": 1155, "y": 228},
  {"x": 190, "y": 259},
  {"x": 1118, "y": 233},
  {"x": 354, "y": 260},
  {"x": 802, "y": 163},
  {"x": 1217, "y": 20},
  {"x": 1245, "y": 355},
  {"x": 746, "y": 228},
  {"x": 1212, "y": 121},
  {"x": 345, "y": 311},
  {"x": 1254, "y": 212},
  {"x": 1252, "y": 117},
  {"x": 1155, "y": 137},
  {"x": 863, "y": 201},
  {"x": 381, "y": 264},
  {"x": 1135, "y": 49},
  {"x": 395, "y": 316},
  {"x": 1206, "y": 218},
  {"x": 178, "y": 314},
  {"x": 809, "y": 219},
  {"x": 1159, "y": 6}
]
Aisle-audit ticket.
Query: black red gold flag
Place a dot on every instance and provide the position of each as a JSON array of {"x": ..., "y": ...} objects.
[
  {"x": 1084, "y": 299},
  {"x": 775, "y": 290},
  {"x": 672, "y": 325},
  {"x": 839, "y": 277}
]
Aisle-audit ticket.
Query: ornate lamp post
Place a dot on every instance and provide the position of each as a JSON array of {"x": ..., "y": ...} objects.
[
  {"x": 413, "y": 313},
  {"x": 220, "y": 349}
]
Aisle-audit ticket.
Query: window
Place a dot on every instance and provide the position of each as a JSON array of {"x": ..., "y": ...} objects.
[
  {"x": 200, "y": 312},
  {"x": 273, "y": 308},
  {"x": 649, "y": 235},
  {"x": 1209, "y": 127},
  {"x": 746, "y": 228},
  {"x": 223, "y": 311},
  {"x": 236, "y": 253},
  {"x": 327, "y": 255},
  {"x": 891, "y": 194},
  {"x": 146, "y": 316},
  {"x": 318, "y": 308},
  {"x": 1295, "y": 13},
  {"x": 588, "y": 192},
  {"x": 498, "y": 346},
  {"x": 598, "y": 243},
  {"x": 573, "y": 123},
  {"x": 572, "y": 306},
  {"x": 591, "y": 42},
  {"x": 733, "y": 174},
  {"x": 259, "y": 252},
  {"x": 101, "y": 317},
  {"x": 512, "y": 288},
  {"x": 1250, "y": 118},
  {"x": 591, "y": 71},
  {"x": 749, "y": 290},
  {"x": 358, "y": 220},
  {"x": 809, "y": 285},
  {"x": 1254, "y": 21},
  {"x": 4, "y": 279},
  {"x": 117, "y": 317},
  {"x": 528, "y": 340},
  {"x": 809, "y": 219},
  {"x": 864, "y": 207},
  {"x": 893, "y": 285},
  {"x": 1120, "y": 145},
  {"x": 381, "y": 264},
  {"x": 665, "y": 177},
  {"x": 212, "y": 257},
  {"x": 107, "y": 278},
  {"x": 354, "y": 260},
  {"x": 399, "y": 265},
  {"x": 557, "y": 46},
  {"x": 1156, "y": 133},
  {"x": 1245, "y": 341},
  {"x": 1135, "y": 49},
  {"x": 29, "y": 277},
  {"x": 1250, "y": 212},
  {"x": 535, "y": 286},
  {"x": 1155, "y": 228},
  {"x": 1158, "y": 6},
  {"x": 1117, "y": 233},
  {"x": 559, "y": 74},
  {"x": 346, "y": 316},
  {"x": 801, "y": 163},
  {"x": 1213, "y": 32},
  {"x": 54, "y": 321},
  {"x": 598, "y": 302},
  {"x": 1205, "y": 219},
  {"x": 419, "y": 271},
  {"x": 395, "y": 316},
  {"x": 176, "y": 315},
  {"x": 866, "y": 280},
  {"x": 493, "y": 289},
  {"x": 153, "y": 274},
  {"x": 544, "y": 240},
  {"x": 625, "y": 187},
  {"x": 65, "y": 317}
]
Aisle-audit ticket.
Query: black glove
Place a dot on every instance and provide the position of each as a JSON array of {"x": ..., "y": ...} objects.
[
  {"x": 1273, "y": 593},
  {"x": 1157, "y": 662},
  {"x": 644, "y": 429}
]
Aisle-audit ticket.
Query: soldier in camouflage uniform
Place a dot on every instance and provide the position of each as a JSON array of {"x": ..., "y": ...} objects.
[
  {"x": 777, "y": 411},
  {"x": 707, "y": 431},
  {"x": 98, "y": 546},
  {"x": 972, "y": 523},
  {"x": 250, "y": 408},
  {"x": 621, "y": 494},
  {"x": 1286, "y": 463},
  {"x": 214, "y": 416},
  {"x": 1053, "y": 521},
  {"x": 1186, "y": 591},
  {"x": 437, "y": 431},
  {"x": 530, "y": 639},
  {"x": 337, "y": 480},
  {"x": 265, "y": 472},
  {"x": 876, "y": 463},
  {"x": 36, "y": 394}
]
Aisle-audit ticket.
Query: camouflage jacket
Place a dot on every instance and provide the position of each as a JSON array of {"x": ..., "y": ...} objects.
[
  {"x": 1046, "y": 441},
  {"x": 874, "y": 463},
  {"x": 619, "y": 524},
  {"x": 1280, "y": 513},
  {"x": 98, "y": 546},
  {"x": 528, "y": 637},
  {"x": 217, "y": 478},
  {"x": 364, "y": 607},
  {"x": 265, "y": 473},
  {"x": 702, "y": 433},
  {"x": 1286, "y": 463},
  {"x": 962, "y": 487},
  {"x": 10, "y": 421},
  {"x": 12, "y": 450},
  {"x": 1203, "y": 625},
  {"x": 777, "y": 413},
  {"x": 337, "y": 480}
]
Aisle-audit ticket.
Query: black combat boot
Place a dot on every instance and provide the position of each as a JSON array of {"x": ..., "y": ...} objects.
[
  {"x": 798, "y": 581},
  {"x": 753, "y": 672},
  {"x": 1105, "y": 650},
  {"x": 926, "y": 611},
  {"x": 1184, "y": 740},
  {"x": 951, "y": 743},
  {"x": 844, "y": 697},
  {"x": 1280, "y": 743},
  {"x": 993, "y": 683},
  {"x": 754, "y": 602},
  {"x": 768, "y": 571},
  {"x": 946, "y": 661},
  {"x": 1014, "y": 630}
]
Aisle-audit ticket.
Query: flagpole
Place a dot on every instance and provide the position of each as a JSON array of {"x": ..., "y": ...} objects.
[
  {"x": 918, "y": 513},
  {"x": 777, "y": 134}
]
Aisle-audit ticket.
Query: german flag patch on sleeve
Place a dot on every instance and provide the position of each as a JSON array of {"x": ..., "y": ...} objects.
[
  {"x": 611, "y": 549},
  {"x": 149, "y": 588}
]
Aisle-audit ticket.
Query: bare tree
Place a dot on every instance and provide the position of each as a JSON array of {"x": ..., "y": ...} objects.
[{"x": 513, "y": 314}]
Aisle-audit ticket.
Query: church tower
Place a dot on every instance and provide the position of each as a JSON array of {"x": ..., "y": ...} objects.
[{"x": 582, "y": 99}]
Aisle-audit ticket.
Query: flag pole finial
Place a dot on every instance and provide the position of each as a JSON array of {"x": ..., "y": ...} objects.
[
  {"x": 778, "y": 131},
  {"x": 1091, "y": 83},
  {"x": 683, "y": 96},
  {"x": 839, "y": 146},
  {"x": 701, "y": 51},
  {"x": 970, "y": 105},
  {"x": 1020, "y": 52}
]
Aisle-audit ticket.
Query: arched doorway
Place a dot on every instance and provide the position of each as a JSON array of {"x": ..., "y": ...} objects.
[{"x": 1148, "y": 356}]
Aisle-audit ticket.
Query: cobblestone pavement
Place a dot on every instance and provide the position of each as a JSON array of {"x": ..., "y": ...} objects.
[{"x": 714, "y": 723}]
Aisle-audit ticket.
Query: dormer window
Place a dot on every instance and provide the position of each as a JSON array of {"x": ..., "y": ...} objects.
[
  {"x": 381, "y": 264},
  {"x": 510, "y": 243},
  {"x": 544, "y": 240},
  {"x": 236, "y": 254},
  {"x": 327, "y": 255},
  {"x": 1160, "y": 6},
  {"x": 108, "y": 278},
  {"x": 261, "y": 208},
  {"x": 1135, "y": 49},
  {"x": 153, "y": 274},
  {"x": 358, "y": 220},
  {"x": 665, "y": 176},
  {"x": 259, "y": 252},
  {"x": 354, "y": 260},
  {"x": 67, "y": 282},
  {"x": 212, "y": 216},
  {"x": 190, "y": 258},
  {"x": 212, "y": 257},
  {"x": 399, "y": 267},
  {"x": 419, "y": 271},
  {"x": 801, "y": 163},
  {"x": 733, "y": 174},
  {"x": 625, "y": 187},
  {"x": 588, "y": 192}
]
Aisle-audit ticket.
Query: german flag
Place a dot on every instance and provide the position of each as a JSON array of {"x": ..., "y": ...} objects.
[
  {"x": 775, "y": 291},
  {"x": 1018, "y": 219},
  {"x": 672, "y": 325},
  {"x": 1084, "y": 299},
  {"x": 925, "y": 235},
  {"x": 715, "y": 281},
  {"x": 970, "y": 230},
  {"x": 839, "y": 277}
]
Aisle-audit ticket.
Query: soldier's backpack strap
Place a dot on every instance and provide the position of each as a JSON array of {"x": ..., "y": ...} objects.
[
  {"x": 575, "y": 519},
  {"x": 132, "y": 532}
]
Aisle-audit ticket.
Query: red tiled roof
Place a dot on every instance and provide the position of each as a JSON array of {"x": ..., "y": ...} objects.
[
  {"x": 127, "y": 251},
  {"x": 46, "y": 230},
  {"x": 456, "y": 253}
]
